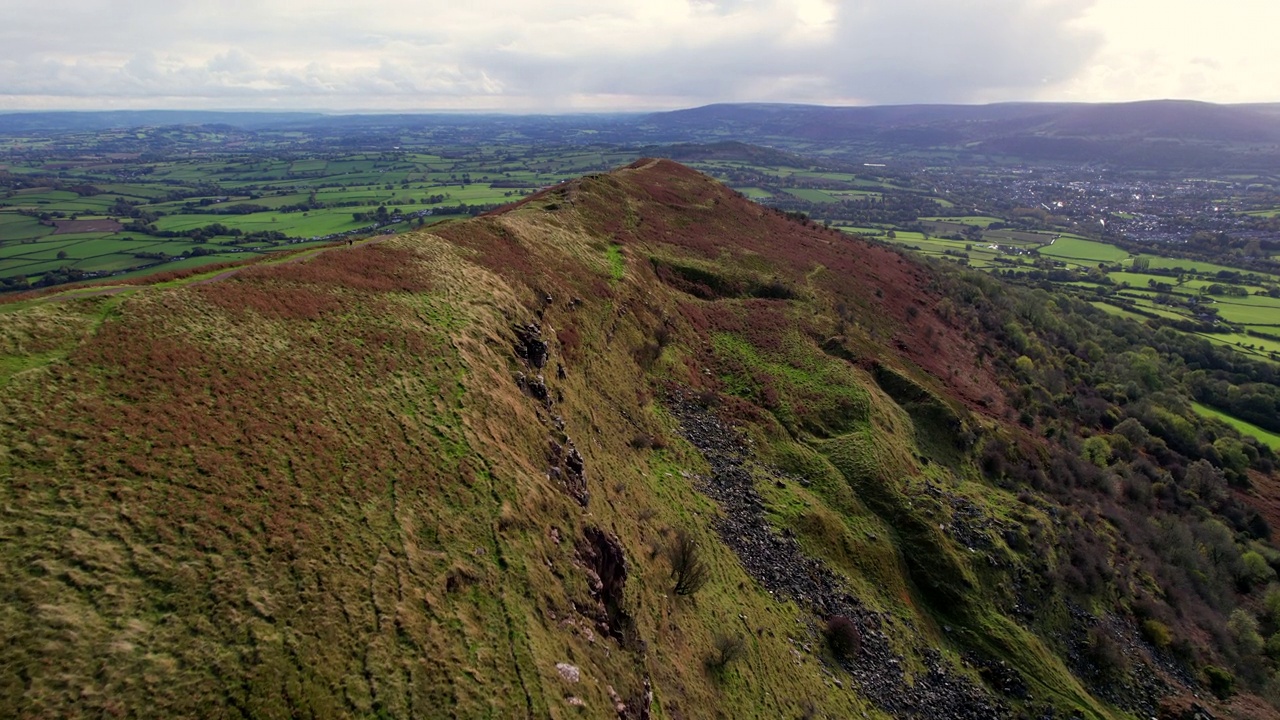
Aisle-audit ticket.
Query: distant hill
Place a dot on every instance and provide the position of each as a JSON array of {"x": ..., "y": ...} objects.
[
  {"x": 1172, "y": 119},
  {"x": 63, "y": 121},
  {"x": 1152, "y": 133},
  {"x": 1155, "y": 133}
]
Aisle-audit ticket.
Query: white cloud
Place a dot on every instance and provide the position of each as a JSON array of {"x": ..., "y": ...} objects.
[
  {"x": 1223, "y": 51},
  {"x": 624, "y": 54}
]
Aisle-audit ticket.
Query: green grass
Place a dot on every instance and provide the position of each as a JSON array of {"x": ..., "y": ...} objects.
[
  {"x": 1255, "y": 347},
  {"x": 1140, "y": 280},
  {"x": 811, "y": 195},
  {"x": 1167, "y": 263},
  {"x": 1117, "y": 311},
  {"x": 15, "y": 227},
  {"x": 617, "y": 263},
  {"x": 981, "y": 221},
  {"x": 1245, "y": 428},
  {"x": 1081, "y": 249},
  {"x": 1253, "y": 310},
  {"x": 319, "y": 222}
]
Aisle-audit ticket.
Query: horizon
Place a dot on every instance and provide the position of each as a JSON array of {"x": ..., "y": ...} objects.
[{"x": 518, "y": 112}]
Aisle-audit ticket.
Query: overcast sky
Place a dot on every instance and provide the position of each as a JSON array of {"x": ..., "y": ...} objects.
[{"x": 579, "y": 55}]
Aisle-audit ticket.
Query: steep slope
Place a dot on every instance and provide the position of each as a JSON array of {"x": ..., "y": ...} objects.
[{"x": 450, "y": 474}]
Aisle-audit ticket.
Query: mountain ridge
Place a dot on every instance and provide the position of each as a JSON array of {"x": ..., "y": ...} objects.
[{"x": 445, "y": 474}]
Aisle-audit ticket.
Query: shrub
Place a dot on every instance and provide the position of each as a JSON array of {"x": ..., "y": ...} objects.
[
  {"x": 1157, "y": 633},
  {"x": 1221, "y": 682},
  {"x": 842, "y": 637},
  {"x": 644, "y": 441},
  {"x": 687, "y": 566},
  {"x": 1256, "y": 570},
  {"x": 1108, "y": 660},
  {"x": 1272, "y": 603},
  {"x": 1272, "y": 648},
  {"x": 725, "y": 648},
  {"x": 647, "y": 354}
]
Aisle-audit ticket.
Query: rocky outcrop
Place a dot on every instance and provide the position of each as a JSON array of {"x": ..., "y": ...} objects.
[
  {"x": 779, "y": 564},
  {"x": 600, "y": 554}
]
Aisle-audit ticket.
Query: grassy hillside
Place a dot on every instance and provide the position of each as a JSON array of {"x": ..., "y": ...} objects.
[{"x": 451, "y": 474}]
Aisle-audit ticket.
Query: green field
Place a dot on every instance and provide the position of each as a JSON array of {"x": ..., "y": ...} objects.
[
  {"x": 1077, "y": 248},
  {"x": 1166, "y": 263},
  {"x": 981, "y": 221},
  {"x": 1139, "y": 280},
  {"x": 181, "y": 195},
  {"x": 295, "y": 224},
  {"x": 1117, "y": 311},
  {"x": 1244, "y": 428},
  {"x": 1252, "y": 310},
  {"x": 817, "y": 196}
]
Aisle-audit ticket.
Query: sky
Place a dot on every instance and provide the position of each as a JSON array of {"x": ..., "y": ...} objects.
[{"x": 626, "y": 55}]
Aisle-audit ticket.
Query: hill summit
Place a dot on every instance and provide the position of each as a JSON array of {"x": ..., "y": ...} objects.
[{"x": 634, "y": 447}]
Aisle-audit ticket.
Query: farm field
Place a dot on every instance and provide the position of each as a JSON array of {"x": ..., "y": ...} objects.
[
  {"x": 194, "y": 209},
  {"x": 1253, "y": 310},
  {"x": 1077, "y": 248},
  {"x": 1198, "y": 266},
  {"x": 1137, "y": 279},
  {"x": 1110, "y": 309},
  {"x": 1245, "y": 428},
  {"x": 982, "y": 221}
]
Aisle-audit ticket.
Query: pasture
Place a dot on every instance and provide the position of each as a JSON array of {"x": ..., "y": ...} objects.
[
  {"x": 1077, "y": 248},
  {"x": 1244, "y": 428}
]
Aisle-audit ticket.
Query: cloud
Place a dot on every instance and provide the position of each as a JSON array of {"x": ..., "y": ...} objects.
[
  {"x": 571, "y": 54},
  {"x": 906, "y": 51}
]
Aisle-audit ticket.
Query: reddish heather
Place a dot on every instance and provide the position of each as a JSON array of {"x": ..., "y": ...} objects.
[{"x": 690, "y": 211}]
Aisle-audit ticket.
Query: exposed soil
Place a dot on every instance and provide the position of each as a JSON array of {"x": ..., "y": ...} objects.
[{"x": 85, "y": 226}]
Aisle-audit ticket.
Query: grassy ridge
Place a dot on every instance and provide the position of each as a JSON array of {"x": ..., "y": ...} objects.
[
  {"x": 333, "y": 487},
  {"x": 316, "y": 488}
]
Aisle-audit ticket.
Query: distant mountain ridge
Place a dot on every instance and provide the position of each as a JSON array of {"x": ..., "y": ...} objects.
[
  {"x": 1172, "y": 119},
  {"x": 1155, "y": 133},
  {"x": 952, "y": 124}
]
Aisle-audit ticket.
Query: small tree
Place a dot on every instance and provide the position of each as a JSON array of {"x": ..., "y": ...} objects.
[
  {"x": 1244, "y": 630},
  {"x": 687, "y": 566}
]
